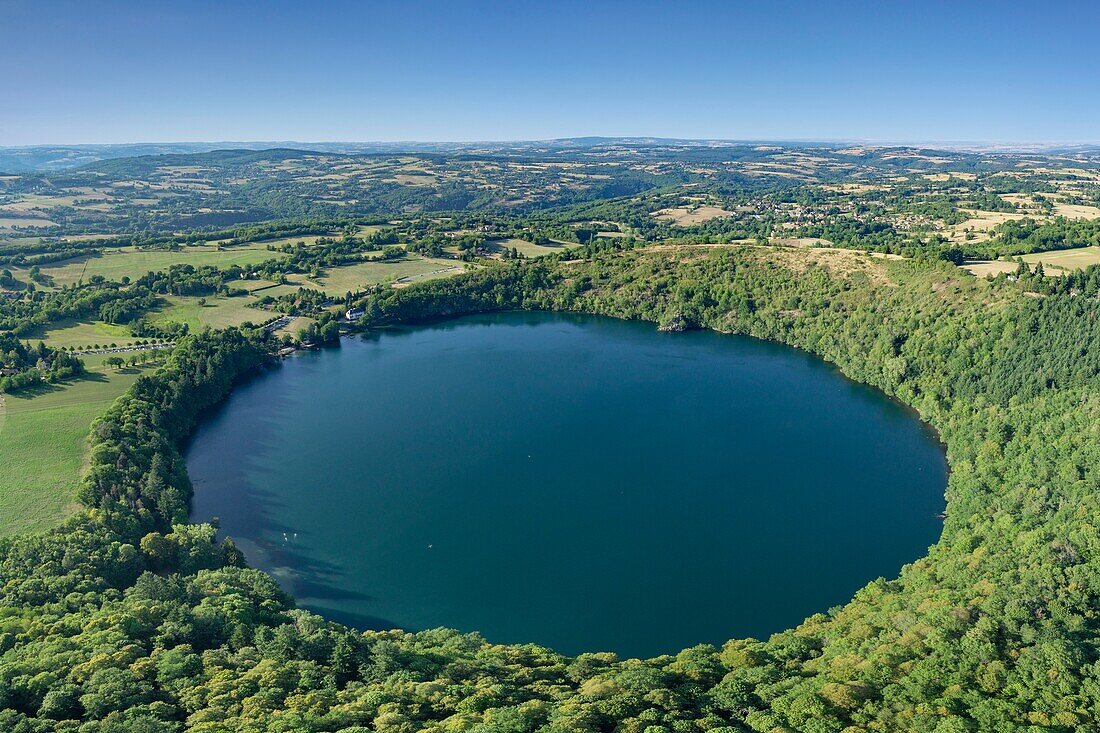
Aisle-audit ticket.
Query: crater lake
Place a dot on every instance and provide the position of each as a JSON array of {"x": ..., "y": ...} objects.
[{"x": 580, "y": 482}]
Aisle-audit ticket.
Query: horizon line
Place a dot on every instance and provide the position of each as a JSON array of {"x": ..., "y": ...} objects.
[{"x": 880, "y": 142}]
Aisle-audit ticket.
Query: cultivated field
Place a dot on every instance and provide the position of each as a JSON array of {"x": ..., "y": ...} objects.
[
  {"x": 1076, "y": 211},
  {"x": 1065, "y": 260}
]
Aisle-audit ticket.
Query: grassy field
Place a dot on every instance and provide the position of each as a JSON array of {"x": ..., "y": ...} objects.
[
  {"x": 96, "y": 361},
  {"x": 1076, "y": 211},
  {"x": 12, "y": 220},
  {"x": 1065, "y": 260},
  {"x": 340, "y": 280},
  {"x": 252, "y": 285},
  {"x": 42, "y": 447},
  {"x": 280, "y": 241},
  {"x": 981, "y": 268},
  {"x": 81, "y": 334},
  {"x": 979, "y": 225},
  {"x": 294, "y": 326},
  {"x": 1057, "y": 262},
  {"x": 128, "y": 262},
  {"x": 686, "y": 216},
  {"x": 20, "y": 284},
  {"x": 219, "y": 312},
  {"x": 525, "y": 248},
  {"x": 7, "y": 239},
  {"x": 276, "y": 290}
]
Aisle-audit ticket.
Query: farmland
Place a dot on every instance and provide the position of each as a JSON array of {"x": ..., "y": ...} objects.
[
  {"x": 131, "y": 263},
  {"x": 1065, "y": 260}
]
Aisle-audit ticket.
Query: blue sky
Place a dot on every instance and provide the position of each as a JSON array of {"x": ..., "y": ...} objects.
[{"x": 114, "y": 71}]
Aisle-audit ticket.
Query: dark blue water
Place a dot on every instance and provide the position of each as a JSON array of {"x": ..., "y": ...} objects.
[{"x": 579, "y": 482}]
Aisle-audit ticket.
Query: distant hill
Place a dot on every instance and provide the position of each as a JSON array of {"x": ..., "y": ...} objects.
[
  {"x": 45, "y": 158},
  {"x": 63, "y": 157}
]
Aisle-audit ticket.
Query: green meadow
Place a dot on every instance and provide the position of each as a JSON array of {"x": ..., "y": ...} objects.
[
  {"x": 133, "y": 263},
  {"x": 43, "y": 441}
]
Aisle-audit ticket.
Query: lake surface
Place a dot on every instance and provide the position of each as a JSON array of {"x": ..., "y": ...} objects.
[{"x": 580, "y": 482}]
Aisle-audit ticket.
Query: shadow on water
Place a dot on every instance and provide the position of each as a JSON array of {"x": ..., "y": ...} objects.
[
  {"x": 511, "y": 318},
  {"x": 360, "y": 621},
  {"x": 269, "y": 544}
]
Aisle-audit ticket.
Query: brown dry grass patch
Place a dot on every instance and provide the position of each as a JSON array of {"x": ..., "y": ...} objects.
[{"x": 689, "y": 215}]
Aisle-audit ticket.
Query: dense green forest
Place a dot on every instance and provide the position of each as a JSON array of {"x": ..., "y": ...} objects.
[{"x": 129, "y": 619}]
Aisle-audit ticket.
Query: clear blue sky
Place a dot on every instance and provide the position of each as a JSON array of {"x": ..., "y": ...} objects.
[{"x": 115, "y": 71}]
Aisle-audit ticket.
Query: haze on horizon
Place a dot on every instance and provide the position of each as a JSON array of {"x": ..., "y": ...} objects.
[{"x": 130, "y": 72}]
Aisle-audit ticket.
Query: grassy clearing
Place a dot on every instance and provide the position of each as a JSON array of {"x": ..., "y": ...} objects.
[
  {"x": 981, "y": 268},
  {"x": 307, "y": 239},
  {"x": 980, "y": 225},
  {"x": 799, "y": 241},
  {"x": 294, "y": 326},
  {"x": 9, "y": 240},
  {"x": 525, "y": 248},
  {"x": 10, "y": 221},
  {"x": 133, "y": 263},
  {"x": 340, "y": 280},
  {"x": 687, "y": 216},
  {"x": 1065, "y": 260},
  {"x": 1076, "y": 211},
  {"x": 1057, "y": 262},
  {"x": 20, "y": 282},
  {"x": 277, "y": 290},
  {"x": 219, "y": 312},
  {"x": 944, "y": 177},
  {"x": 81, "y": 334},
  {"x": 43, "y": 444}
]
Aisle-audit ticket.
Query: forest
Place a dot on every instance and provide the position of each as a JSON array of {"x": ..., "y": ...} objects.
[{"x": 127, "y": 618}]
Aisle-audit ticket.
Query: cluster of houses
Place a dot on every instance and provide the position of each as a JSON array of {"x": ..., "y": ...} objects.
[{"x": 483, "y": 229}]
